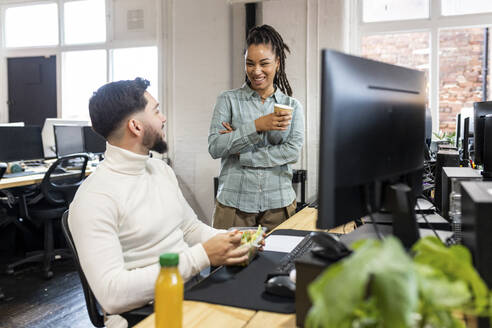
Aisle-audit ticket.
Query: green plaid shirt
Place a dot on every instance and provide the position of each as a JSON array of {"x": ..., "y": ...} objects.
[{"x": 255, "y": 173}]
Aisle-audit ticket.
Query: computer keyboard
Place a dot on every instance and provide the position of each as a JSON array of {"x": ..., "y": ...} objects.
[
  {"x": 19, "y": 174},
  {"x": 287, "y": 263},
  {"x": 314, "y": 204}
]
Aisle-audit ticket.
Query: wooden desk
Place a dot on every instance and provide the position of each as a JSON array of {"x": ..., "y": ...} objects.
[
  {"x": 204, "y": 315},
  {"x": 27, "y": 180}
]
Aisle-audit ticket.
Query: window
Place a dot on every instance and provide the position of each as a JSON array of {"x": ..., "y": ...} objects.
[
  {"x": 83, "y": 73},
  {"x": 462, "y": 7},
  {"x": 391, "y": 10},
  {"x": 460, "y": 72},
  {"x": 130, "y": 63},
  {"x": 404, "y": 49},
  {"x": 449, "y": 51},
  {"x": 31, "y": 26},
  {"x": 89, "y": 55},
  {"x": 85, "y": 22}
]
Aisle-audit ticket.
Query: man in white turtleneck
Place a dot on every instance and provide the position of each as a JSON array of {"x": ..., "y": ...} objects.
[{"x": 131, "y": 210}]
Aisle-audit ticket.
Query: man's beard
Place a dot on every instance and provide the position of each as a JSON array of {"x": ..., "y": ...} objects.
[{"x": 154, "y": 141}]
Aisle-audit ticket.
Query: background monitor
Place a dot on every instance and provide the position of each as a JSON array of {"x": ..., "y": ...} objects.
[
  {"x": 371, "y": 131},
  {"x": 464, "y": 113},
  {"x": 69, "y": 140},
  {"x": 428, "y": 126},
  {"x": 93, "y": 142},
  {"x": 20, "y": 143},
  {"x": 458, "y": 131},
  {"x": 48, "y": 134},
  {"x": 13, "y": 124},
  {"x": 480, "y": 110}
]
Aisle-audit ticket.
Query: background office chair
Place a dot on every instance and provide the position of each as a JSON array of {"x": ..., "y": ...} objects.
[
  {"x": 55, "y": 194},
  {"x": 93, "y": 308}
]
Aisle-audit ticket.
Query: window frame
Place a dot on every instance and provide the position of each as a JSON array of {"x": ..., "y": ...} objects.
[
  {"x": 108, "y": 45},
  {"x": 433, "y": 24}
]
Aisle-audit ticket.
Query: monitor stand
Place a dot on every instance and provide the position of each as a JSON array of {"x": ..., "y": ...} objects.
[{"x": 401, "y": 204}]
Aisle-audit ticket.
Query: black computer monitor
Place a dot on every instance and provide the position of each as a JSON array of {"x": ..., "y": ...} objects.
[
  {"x": 480, "y": 110},
  {"x": 458, "y": 131},
  {"x": 69, "y": 139},
  {"x": 468, "y": 139},
  {"x": 20, "y": 143},
  {"x": 93, "y": 142},
  {"x": 428, "y": 127},
  {"x": 371, "y": 132}
]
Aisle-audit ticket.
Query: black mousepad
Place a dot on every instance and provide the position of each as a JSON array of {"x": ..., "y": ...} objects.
[{"x": 244, "y": 287}]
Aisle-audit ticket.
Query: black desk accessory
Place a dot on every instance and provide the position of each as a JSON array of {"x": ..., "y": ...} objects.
[
  {"x": 308, "y": 268},
  {"x": 281, "y": 286},
  {"x": 312, "y": 264},
  {"x": 329, "y": 246},
  {"x": 3, "y": 168}
]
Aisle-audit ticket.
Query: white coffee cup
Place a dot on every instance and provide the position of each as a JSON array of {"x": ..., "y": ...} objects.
[{"x": 279, "y": 107}]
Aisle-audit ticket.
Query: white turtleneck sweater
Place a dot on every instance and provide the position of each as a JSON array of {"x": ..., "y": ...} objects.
[{"x": 124, "y": 215}]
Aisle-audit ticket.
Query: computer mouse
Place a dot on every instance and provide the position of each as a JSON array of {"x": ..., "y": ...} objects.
[
  {"x": 330, "y": 246},
  {"x": 281, "y": 286}
]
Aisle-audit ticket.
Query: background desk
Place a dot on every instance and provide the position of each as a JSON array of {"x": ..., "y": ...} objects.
[
  {"x": 200, "y": 314},
  {"x": 27, "y": 180}
]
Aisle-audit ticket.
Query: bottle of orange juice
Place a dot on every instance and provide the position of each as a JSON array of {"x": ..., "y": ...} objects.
[{"x": 168, "y": 303}]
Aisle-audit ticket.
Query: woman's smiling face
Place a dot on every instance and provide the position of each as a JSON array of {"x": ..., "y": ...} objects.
[{"x": 261, "y": 65}]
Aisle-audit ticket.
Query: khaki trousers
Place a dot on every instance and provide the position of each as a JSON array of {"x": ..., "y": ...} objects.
[{"x": 226, "y": 217}]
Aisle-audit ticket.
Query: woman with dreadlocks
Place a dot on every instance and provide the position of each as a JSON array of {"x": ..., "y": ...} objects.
[{"x": 256, "y": 144}]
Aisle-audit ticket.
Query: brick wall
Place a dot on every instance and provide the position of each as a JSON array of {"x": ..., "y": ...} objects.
[
  {"x": 460, "y": 64},
  {"x": 460, "y": 72}
]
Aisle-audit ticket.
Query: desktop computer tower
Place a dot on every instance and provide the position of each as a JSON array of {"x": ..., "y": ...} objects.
[
  {"x": 476, "y": 208},
  {"x": 444, "y": 158},
  {"x": 448, "y": 173},
  {"x": 476, "y": 212},
  {"x": 487, "y": 149},
  {"x": 308, "y": 268}
]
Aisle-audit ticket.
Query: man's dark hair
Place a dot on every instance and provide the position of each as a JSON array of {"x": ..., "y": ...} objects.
[
  {"x": 265, "y": 34},
  {"x": 114, "y": 102}
]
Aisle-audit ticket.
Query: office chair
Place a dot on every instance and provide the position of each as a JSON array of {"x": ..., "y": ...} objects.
[
  {"x": 95, "y": 311},
  {"x": 55, "y": 193}
]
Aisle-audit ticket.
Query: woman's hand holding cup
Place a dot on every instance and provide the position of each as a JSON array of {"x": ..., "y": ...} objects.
[{"x": 280, "y": 119}]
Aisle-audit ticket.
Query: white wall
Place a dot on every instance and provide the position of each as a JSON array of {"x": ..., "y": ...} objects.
[{"x": 199, "y": 59}]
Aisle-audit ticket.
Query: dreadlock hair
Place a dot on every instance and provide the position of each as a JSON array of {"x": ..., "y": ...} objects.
[{"x": 265, "y": 34}]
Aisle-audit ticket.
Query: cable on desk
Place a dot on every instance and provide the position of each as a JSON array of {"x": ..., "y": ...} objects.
[{"x": 428, "y": 223}]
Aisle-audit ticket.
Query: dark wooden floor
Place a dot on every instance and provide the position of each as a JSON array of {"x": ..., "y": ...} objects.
[{"x": 32, "y": 301}]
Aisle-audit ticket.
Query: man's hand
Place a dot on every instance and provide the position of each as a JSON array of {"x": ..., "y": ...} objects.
[
  {"x": 222, "y": 249},
  {"x": 274, "y": 121}
]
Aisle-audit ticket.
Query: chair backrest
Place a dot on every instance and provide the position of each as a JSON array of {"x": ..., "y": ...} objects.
[
  {"x": 60, "y": 190},
  {"x": 3, "y": 168},
  {"x": 93, "y": 307}
]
